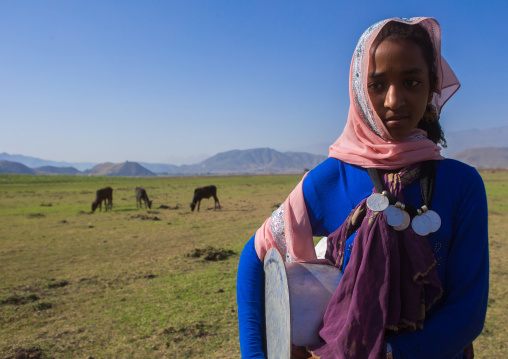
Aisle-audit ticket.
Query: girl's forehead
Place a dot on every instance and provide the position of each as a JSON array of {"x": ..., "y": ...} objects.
[
  {"x": 397, "y": 53},
  {"x": 395, "y": 43}
]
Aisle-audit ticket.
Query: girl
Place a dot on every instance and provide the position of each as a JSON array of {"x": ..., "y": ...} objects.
[{"x": 407, "y": 227}]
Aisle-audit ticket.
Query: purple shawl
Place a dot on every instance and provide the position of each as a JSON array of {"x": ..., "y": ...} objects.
[{"x": 389, "y": 283}]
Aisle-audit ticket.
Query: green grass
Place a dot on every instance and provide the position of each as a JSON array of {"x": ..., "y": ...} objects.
[{"x": 119, "y": 284}]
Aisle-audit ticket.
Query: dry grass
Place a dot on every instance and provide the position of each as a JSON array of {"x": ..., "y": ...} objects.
[
  {"x": 492, "y": 342},
  {"x": 119, "y": 284}
]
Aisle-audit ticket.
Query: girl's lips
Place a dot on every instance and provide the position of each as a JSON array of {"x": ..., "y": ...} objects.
[{"x": 396, "y": 121}]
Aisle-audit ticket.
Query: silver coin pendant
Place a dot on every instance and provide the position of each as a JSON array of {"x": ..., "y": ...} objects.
[
  {"x": 405, "y": 222},
  {"x": 394, "y": 216},
  {"x": 435, "y": 220},
  {"x": 421, "y": 225},
  {"x": 377, "y": 202}
]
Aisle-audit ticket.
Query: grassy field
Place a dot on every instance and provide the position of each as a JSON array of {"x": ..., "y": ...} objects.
[{"x": 133, "y": 283}]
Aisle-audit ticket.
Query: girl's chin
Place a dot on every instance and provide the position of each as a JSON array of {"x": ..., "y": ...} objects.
[
  {"x": 399, "y": 129},
  {"x": 399, "y": 134}
]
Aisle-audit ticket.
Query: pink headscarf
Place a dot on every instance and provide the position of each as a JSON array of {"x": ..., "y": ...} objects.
[
  {"x": 365, "y": 142},
  {"x": 288, "y": 230}
]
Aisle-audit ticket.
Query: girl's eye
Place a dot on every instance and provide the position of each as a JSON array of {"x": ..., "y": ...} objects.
[
  {"x": 412, "y": 83},
  {"x": 374, "y": 86}
]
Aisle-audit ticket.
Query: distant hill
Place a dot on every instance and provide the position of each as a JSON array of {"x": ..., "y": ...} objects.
[
  {"x": 255, "y": 161},
  {"x": 15, "y": 167},
  {"x": 484, "y": 157},
  {"x": 34, "y": 162},
  {"x": 128, "y": 169},
  {"x": 52, "y": 170},
  {"x": 160, "y": 167},
  {"x": 462, "y": 140}
]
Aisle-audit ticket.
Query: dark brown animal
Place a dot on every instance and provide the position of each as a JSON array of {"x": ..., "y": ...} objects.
[
  {"x": 204, "y": 192},
  {"x": 104, "y": 194},
  {"x": 142, "y": 196}
]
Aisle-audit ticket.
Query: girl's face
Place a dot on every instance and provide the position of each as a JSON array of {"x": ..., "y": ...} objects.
[{"x": 398, "y": 85}]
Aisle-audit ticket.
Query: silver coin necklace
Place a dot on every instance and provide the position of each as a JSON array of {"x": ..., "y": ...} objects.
[{"x": 399, "y": 215}]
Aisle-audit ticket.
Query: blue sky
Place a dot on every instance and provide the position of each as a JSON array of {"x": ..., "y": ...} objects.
[{"x": 178, "y": 81}]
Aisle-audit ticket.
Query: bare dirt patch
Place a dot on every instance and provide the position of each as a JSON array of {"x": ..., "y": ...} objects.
[
  {"x": 147, "y": 276},
  {"x": 196, "y": 330},
  {"x": 36, "y": 215},
  {"x": 145, "y": 217},
  {"x": 210, "y": 253},
  {"x": 163, "y": 206},
  {"x": 24, "y": 353},
  {"x": 19, "y": 299},
  {"x": 59, "y": 284}
]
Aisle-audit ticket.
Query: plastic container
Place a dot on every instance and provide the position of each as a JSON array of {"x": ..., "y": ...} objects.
[{"x": 296, "y": 298}]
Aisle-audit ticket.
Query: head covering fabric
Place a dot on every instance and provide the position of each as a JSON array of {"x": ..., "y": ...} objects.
[
  {"x": 365, "y": 141},
  {"x": 288, "y": 230}
]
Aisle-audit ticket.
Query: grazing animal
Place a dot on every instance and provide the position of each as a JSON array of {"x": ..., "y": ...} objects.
[
  {"x": 141, "y": 195},
  {"x": 104, "y": 194},
  {"x": 204, "y": 192}
]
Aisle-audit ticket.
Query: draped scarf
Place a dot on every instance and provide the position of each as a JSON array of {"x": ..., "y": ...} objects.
[{"x": 388, "y": 285}]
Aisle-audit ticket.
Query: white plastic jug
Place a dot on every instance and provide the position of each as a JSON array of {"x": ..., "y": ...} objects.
[{"x": 296, "y": 298}]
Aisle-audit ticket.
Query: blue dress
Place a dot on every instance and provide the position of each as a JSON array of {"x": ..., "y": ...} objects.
[{"x": 460, "y": 246}]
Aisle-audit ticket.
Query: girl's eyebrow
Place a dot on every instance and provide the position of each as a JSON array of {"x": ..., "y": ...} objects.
[{"x": 412, "y": 71}]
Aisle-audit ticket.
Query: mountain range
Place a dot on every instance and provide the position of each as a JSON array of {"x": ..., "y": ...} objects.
[
  {"x": 254, "y": 161},
  {"x": 235, "y": 162},
  {"x": 484, "y": 157},
  {"x": 463, "y": 140},
  {"x": 34, "y": 162},
  {"x": 457, "y": 141}
]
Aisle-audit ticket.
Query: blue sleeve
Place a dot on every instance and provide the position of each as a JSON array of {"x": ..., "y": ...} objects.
[
  {"x": 331, "y": 190},
  {"x": 461, "y": 317},
  {"x": 250, "y": 300}
]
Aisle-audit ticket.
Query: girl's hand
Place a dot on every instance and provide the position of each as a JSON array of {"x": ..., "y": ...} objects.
[{"x": 299, "y": 352}]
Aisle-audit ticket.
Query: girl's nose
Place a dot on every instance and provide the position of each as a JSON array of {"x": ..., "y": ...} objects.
[{"x": 394, "y": 98}]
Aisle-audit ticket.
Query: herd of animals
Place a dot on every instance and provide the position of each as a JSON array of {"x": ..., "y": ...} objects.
[{"x": 106, "y": 195}]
